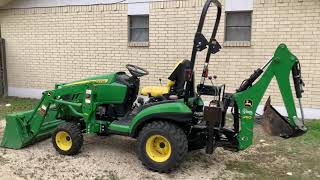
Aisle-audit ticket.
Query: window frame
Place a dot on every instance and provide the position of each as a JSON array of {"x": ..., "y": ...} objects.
[
  {"x": 225, "y": 27},
  {"x": 138, "y": 43}
]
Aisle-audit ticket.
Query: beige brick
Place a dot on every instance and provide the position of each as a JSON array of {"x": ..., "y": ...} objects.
[{"x": 50, "y": 45}]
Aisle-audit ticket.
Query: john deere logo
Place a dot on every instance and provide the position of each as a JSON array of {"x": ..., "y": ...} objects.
[{"x": 248, "y": 103}]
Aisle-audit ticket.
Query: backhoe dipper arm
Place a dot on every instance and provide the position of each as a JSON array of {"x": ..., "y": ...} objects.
[{"x": 249, "y": 95}]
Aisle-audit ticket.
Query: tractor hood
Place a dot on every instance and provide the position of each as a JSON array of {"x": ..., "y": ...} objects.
[{"x": 103, "y": 78}]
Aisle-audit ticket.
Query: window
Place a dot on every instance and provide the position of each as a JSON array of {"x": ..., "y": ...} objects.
[
  {"x": 139, "y": 28},
  {"x": 238, "y": 26}
]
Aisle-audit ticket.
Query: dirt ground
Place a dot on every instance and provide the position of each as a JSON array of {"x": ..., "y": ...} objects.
[{"x": 114, "y": 158}]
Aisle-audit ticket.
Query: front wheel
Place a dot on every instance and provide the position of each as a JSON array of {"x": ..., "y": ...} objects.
[
  {"x": 162, "y": 146},
  {"x": 67, "y": 139}
]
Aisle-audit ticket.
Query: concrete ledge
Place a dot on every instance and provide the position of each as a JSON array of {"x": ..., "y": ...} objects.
[
  {"x": 25, "y": 92},
  {"x": 309, "y": 113}
]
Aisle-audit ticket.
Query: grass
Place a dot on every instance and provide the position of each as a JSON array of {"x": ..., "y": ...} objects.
[
  {"x": 17, "y": 104},
  {"x": 276, "y": 157}
]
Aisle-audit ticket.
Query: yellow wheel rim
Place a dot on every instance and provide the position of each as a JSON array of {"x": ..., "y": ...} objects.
[
  {"x": 63, "y": 141},
  {"x": 158, "y": 148}
]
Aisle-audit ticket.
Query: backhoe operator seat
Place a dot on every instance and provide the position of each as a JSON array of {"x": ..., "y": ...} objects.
[{"x": 175, "y": 83}]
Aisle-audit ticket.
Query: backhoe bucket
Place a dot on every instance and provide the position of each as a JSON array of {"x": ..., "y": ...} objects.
[
  {"x": 275, "y": 124},
  {"x": 18, "y": 133}
]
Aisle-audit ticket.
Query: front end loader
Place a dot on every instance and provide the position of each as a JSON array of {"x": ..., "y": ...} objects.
[{"x": 173, "y": 120}]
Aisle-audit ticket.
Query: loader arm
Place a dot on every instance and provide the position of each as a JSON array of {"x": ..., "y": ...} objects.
[
  {"x": 249, "y": 95},
  {"x": 53, "y": 97},
  {"x": 25, "y": 128}
]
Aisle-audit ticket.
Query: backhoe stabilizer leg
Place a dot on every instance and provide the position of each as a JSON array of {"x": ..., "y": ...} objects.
[{"x": 300, "y": 122}]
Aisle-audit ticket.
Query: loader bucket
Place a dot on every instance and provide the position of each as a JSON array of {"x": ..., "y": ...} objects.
[
  {"x": 18, "y": 134},
  {"x": 275, "y": 124}
]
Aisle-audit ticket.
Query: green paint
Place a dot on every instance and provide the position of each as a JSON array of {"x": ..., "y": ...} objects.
[
  {"x": 178, "y": 107},
  {"x": 119, "y": 128},
  {"x": 114, "y": 93},
  {"x": 280, "y": 68},
  {"x": 25, "y": 128},
  {"x": 17, "y": 133}
]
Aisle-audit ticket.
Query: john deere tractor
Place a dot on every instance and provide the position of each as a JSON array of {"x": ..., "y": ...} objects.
[{"x": 173, "y": 119}]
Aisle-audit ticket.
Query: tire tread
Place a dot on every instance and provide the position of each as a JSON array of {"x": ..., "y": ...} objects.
[
  {"x": 179, "y": 138},
  {"x": 76, "y": 135}
]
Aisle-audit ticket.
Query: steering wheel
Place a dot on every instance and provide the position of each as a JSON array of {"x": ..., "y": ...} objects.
[{"x": 136, "y": 71}]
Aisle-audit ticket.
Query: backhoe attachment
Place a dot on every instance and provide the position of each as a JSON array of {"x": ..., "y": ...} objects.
[
  {"x": 277, "y": 125},
  {"x": 251, "y": 91}
]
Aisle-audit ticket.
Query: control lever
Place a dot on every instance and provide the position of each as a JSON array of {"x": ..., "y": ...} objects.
[{"x": 210, "y": 78}]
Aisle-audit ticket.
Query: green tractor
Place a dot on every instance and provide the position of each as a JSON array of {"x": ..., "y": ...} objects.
[{"x": 173, "y": 120}]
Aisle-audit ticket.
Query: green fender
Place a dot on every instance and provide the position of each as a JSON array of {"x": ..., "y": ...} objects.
[{"x": 171, "y": 110}]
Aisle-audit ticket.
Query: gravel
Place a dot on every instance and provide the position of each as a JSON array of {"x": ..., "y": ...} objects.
[{"x": 110, "y": 157}]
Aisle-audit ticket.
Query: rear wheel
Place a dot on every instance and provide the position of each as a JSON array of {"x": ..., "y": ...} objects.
[
  {"x": 67, "y": 139},
  {"x": 162, "y": 146}
]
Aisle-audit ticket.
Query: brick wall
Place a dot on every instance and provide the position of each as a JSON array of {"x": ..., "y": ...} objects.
[{"x": 50, "y": 45}]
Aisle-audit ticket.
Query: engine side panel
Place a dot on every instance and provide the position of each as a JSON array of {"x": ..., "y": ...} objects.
[{"x": 113, "y": 93}]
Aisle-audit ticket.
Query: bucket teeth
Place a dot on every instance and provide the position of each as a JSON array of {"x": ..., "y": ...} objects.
[{"x": 274, "y": 123}]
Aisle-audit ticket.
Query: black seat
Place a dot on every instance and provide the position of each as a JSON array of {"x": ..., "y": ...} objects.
[{"x": 179, "y": 77}]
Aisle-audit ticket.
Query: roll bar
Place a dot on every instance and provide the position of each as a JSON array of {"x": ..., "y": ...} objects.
[
  {"x": 204, "y": 15},
  {"x": 200, "y": 43}
]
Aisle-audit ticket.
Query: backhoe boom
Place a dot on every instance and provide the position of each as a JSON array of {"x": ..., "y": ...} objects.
[{"x": 249, "y": 95}]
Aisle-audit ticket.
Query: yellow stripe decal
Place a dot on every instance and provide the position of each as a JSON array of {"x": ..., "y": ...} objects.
[{"x": 98, "y": 81}]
